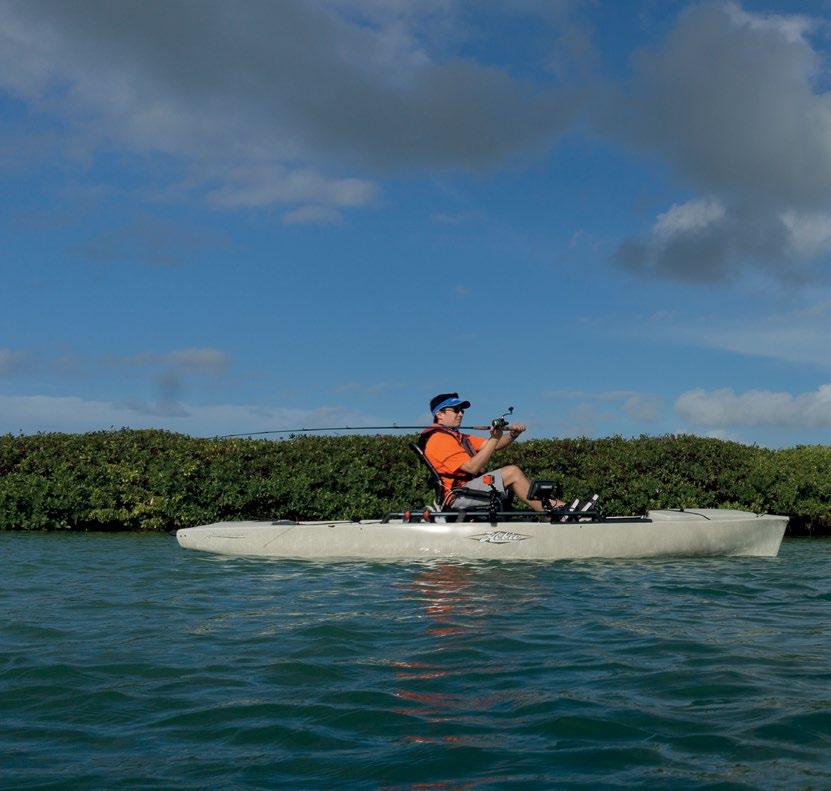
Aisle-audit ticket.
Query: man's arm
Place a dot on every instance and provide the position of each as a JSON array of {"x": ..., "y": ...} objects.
[
  {"x": 514, "y": 430},
  {"x": 477, "y": 464}
]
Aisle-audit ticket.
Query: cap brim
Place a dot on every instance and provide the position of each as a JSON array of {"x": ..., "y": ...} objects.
[{"x": 451, "y": 403}]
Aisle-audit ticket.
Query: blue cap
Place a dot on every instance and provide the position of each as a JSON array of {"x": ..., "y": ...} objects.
[{"x": 445, "y": 400}]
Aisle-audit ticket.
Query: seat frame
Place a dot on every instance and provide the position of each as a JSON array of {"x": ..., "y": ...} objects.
[{"x": 493, "y": 502}]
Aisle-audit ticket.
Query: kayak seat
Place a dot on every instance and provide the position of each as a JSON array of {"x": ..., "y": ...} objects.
[
  {"x": 445, "y": 501},
  {"x": 435, "y": 480}
]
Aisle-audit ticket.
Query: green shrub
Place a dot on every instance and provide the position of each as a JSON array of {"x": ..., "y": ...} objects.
[{"x": 157, "y": 480}]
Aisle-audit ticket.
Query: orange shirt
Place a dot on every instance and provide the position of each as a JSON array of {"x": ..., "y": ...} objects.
[{"x": 446, "y": 454}]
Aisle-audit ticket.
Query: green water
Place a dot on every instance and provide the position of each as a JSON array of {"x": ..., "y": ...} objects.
[{"x": 128, "y": 662}]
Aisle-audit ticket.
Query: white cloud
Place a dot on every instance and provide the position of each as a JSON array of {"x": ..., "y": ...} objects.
[
  {"x": 722, "y": 409},
  {"x": 643, "y": 407},
  {"x": 797, "y": 336},
  {"x": 176, "y": 362},
  {"x": 723, "y": 434},
  {"x": 640, "y": 407},
  {"x": 194, "y": 359},
  {"x": 164, "y": 408},
  {"x": 189, "y": 360},
  {"x": 34, "y": 413},
  {"x": 149, "y": 241},
  {"x": 686, "y": 218},
  {"x": 792, "y": 28},
  {"x": 731, "y": 101},
  {"x": 312, "y": 215},
  {"x": 809, "y": 233},
  {"x": 252, "y": 186},
  {"x": 167, "y": 374},
  {"x": 257, "y": 103}
]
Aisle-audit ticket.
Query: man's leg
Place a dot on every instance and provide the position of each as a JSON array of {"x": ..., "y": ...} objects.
[
  {"x": 514, "y": 476},
  {"x": 478, "y": 485}
]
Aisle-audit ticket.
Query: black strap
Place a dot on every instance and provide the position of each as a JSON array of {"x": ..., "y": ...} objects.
[{"x": 462, "y": 439}]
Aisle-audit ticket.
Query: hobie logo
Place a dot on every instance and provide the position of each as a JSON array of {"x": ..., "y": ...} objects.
[{"x": 498, "y": 537}]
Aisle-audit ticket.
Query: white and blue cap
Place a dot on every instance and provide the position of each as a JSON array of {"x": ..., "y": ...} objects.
[{"x": 444, "y": 400}]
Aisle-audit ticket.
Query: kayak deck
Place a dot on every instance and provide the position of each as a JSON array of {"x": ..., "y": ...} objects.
[{"x": 661, "y": 533}]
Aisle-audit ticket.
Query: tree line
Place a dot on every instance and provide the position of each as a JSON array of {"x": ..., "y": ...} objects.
[{"x": 158, "y": 480}]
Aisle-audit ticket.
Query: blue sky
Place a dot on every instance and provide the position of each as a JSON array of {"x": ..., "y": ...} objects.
[{"x": 219, "y": 218}]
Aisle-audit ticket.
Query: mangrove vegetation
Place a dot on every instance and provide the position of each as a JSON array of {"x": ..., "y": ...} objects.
[{"x": 158, "y": 480}]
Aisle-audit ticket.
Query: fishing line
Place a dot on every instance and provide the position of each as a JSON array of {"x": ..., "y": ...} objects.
[{"x": 496, "y": 423}]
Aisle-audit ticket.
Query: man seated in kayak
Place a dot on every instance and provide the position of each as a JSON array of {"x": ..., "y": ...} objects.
[{"x": 461, "y": 459}]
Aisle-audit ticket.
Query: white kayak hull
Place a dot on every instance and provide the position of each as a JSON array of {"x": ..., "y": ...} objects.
[{"x": 696, "y": 533}]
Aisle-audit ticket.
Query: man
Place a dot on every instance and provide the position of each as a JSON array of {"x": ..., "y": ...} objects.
[{"x": 461, "y": 460}]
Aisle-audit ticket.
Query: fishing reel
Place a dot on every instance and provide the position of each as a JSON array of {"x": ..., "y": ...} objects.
[{"x": 499, "y": 423}]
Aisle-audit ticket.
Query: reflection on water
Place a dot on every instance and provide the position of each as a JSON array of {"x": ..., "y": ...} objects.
[
  {"x": 253, "y": 674},
  {"x": 457, "y": 600}
]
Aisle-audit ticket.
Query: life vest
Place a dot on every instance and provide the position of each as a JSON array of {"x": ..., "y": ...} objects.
[{"x": 448, "y": 480}]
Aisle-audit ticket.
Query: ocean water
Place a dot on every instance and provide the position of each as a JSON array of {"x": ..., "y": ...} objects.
[{"x": 127, "y": 662}]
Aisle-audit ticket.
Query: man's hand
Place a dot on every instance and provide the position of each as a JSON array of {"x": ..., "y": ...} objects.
[
  {"x": 496, "y": 432},
  {"x": 516, "y": 429}
]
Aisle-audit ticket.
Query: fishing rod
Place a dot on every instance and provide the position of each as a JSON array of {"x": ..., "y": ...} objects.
[{"x": 499, "y": 423}]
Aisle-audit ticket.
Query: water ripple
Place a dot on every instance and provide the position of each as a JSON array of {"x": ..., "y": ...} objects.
[{"x": 127, "y": 661}]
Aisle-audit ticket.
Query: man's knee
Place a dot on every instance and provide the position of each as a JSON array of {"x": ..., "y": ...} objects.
[{"x": 511, "y": 473}]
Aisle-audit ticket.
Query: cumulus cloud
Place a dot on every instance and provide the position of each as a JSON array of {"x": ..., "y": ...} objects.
[
  {"x": 261, "y": 100},
  {"x": 305, "y": 105},
  {"x": 718, "y": 409},
  {"x": 688, "y": 218},
  {"x": 690, "y": 242},
  {"x": 793, "y": 28},
  {"x": 808, "y": 233},
  {"x": 732, "y": 105},
  {"x": 730, "y": 101}
]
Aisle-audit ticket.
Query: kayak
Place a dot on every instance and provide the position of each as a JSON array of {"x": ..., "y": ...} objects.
[{"x": 703, "y": 532}]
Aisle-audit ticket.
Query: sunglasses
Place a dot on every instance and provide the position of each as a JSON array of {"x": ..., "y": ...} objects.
[{"x": 455, "y": 409}]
